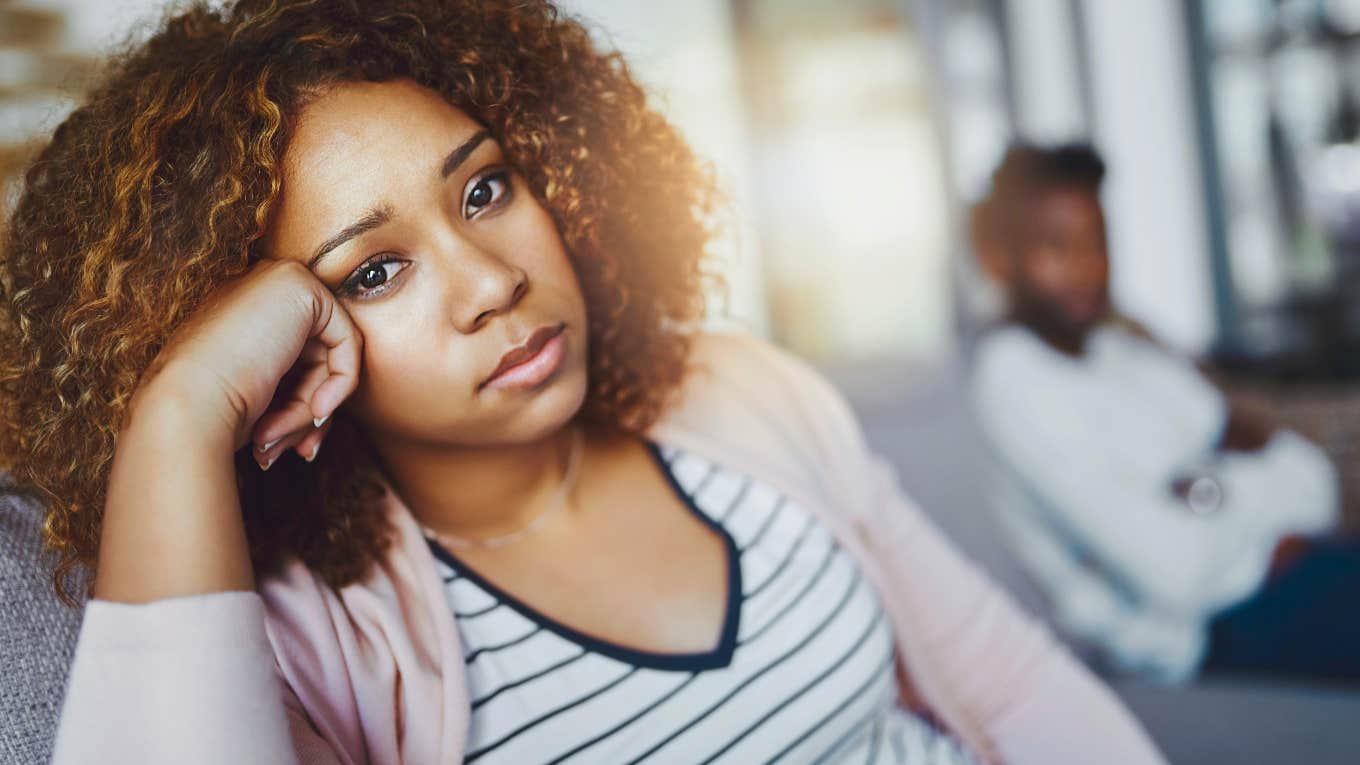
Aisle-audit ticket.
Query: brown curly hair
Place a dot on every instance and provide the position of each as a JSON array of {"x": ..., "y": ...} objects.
[{"x": 158, "y": 189}]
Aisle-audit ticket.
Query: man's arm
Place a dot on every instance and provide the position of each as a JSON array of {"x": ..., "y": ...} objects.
[
  {"x": 1250, "y": 425},
  {"x": 1175, "y": 560}
]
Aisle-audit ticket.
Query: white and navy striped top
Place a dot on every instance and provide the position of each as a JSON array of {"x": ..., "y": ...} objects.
[{"x": 802, "y": 673}]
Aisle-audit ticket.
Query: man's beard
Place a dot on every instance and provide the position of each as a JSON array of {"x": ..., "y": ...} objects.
[{"x": 1050, "y": 322}]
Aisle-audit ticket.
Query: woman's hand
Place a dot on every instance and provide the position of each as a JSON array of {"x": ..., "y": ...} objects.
[{"x": 265, "y": 358}]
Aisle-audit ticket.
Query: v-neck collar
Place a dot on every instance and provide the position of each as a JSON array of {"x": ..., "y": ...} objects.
[{"x": 717, "y": 657}]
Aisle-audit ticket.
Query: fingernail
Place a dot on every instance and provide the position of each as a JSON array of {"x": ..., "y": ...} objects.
[
  {"x": 315, "y": 449},
  {"x": 265, "y": 465},
  {"x": 265, "y": 448},
  {"x": 318, "y": 421}
]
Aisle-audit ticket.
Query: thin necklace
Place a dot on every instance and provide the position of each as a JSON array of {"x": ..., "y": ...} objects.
[{"x": 558, "y": 502}]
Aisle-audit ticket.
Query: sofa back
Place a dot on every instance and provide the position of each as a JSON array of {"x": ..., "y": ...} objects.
[{"x": 37, "y": 633}]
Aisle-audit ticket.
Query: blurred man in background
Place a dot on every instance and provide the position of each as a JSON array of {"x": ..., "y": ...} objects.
[{"x": 1149, "y": 507}]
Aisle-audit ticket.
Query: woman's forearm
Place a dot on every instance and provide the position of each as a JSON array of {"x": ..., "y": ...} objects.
[
  {"x": 173, "y": 527},
  {"x": 172, "y": 518}
]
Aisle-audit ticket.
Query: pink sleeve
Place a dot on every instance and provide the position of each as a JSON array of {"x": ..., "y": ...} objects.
[
  {"x": 1020, "y": 694},
  {"x": 184, "y": 679}
]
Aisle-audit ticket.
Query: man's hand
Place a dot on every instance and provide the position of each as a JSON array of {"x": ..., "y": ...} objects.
[
  {"x": 1250, "y": 425},
  {"x": 1201, "y": 492}
]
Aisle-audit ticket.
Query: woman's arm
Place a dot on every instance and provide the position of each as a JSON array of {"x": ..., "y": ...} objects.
[
  {"x": 170, "y": 458},
  {"x": 993, "y": 663},
  {"x": 989, "y": 663},
  {"x": 182, "y": 679},
  {"x": 173, "y": 663}
]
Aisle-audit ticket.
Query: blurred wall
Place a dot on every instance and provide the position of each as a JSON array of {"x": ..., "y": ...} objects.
[
  {"x": 1145, "y": 123},
  {"x": 853, "y": 209},
  {"x": 1232, "y": 130},
  {"x": 1115, "y": 73},
  {"x": 48, "y": 51},
  {"x": 685, "y": 54},
  {"x": 1048, "y": 70}
]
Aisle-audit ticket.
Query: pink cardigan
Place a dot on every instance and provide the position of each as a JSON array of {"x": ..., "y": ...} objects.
[{"x": 373, "y": 673}]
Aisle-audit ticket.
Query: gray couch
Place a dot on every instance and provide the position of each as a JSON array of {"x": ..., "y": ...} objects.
[
  {"x": 916, "y": 417},
  {"x": 37, "y": 634}
]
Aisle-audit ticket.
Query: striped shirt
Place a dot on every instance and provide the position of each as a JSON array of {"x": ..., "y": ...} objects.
[{"x": 803, "y": 671}]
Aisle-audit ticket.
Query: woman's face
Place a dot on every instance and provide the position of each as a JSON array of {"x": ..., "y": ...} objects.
[{"x": 442, "y": 257}]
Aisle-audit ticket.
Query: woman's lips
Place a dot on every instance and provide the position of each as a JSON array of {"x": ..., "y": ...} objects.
[{"x": 538, "y": 366}]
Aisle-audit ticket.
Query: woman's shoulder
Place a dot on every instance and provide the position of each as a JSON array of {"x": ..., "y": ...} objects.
[
  {"x": 746, "y": 394},
  {"x": 743, "y": 363}
]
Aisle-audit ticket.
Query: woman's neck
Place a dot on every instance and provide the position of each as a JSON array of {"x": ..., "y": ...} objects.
[{"x": 476, "y": 492}]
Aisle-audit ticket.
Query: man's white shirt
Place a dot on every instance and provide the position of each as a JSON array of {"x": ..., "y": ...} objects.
[{"x": 1085, "y": 452}]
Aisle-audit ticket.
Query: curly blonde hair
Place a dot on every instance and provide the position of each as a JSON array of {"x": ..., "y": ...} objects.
[{"x": 158, "y": 188}]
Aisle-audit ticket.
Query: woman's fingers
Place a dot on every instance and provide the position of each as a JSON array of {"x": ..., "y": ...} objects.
[
  {"x": 304, "y": 440},
  {"x": 324, "y": 373},
  {"x": 269, "y": 456},
  {"x": 344, "y": 356},
  {"x": 293, "y": 410},
  {"x": 310, "y": 444}
]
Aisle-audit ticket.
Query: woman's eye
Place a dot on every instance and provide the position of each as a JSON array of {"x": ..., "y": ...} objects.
[
  {"x": 488, "y": 190},
  {"x": 372, "y": 278}
]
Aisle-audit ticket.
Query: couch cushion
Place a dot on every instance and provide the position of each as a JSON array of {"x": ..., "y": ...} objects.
[
  {"x": 1249, "y": 721},
  {"x": 37, "y": 633}
]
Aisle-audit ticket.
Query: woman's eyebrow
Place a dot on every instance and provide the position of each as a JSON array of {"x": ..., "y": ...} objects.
[
  {"x": 372, "y": 219},
  {"x": 460, "y": 154},
  {"x": 380, "y": 215}
]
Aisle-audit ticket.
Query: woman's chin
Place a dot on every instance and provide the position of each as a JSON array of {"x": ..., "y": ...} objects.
[{"x": 547, "y": 410}]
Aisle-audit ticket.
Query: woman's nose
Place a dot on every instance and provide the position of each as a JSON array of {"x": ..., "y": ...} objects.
[{"x": 491, "y": 286}]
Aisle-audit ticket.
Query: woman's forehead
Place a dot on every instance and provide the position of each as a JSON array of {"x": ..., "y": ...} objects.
[
  {"x": 355, "y": 122},
  {"x": 355, "y": 148}
]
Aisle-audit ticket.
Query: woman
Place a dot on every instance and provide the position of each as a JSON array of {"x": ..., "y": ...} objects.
[{"x": 445, "y": 259}]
